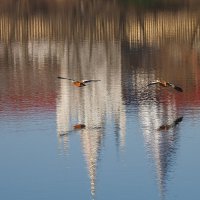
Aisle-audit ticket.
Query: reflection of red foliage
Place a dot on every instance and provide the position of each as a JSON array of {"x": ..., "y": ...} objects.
[
  {"x": 26, "y": 102},
  {"x": 24, "y": 93},
  {"x": 190, "y": 97}
]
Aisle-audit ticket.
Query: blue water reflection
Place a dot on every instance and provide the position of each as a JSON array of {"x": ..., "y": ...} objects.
[{"x": 112, "y": 139}]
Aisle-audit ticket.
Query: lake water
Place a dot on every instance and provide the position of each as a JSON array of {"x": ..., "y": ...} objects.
[{"x": 113, "y": 139}]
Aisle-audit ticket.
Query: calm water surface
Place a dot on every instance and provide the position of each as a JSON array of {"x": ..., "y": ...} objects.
[{"x": 113, "y": 139}]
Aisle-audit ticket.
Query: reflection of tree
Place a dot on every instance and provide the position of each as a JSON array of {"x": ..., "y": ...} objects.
[
  {"x": 94, "y": 49},
  {"x": 153, "y": 114},
  {"x": 91, "y": 141},
  {"x": 155, "y": 108},
  {"x": 161, "y": 146},
  {"x": 195, "y": 32},
  {"x": 92, "y": 105},
  {"x": 151, "y": 28},
  {"x": 21, "y": 81},
  {"x": 84, "y": 6}
]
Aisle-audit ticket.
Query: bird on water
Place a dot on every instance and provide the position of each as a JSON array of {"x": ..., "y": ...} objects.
[
  {"x": 80, "y": 83},
  {"x": 166, "y": 84}
]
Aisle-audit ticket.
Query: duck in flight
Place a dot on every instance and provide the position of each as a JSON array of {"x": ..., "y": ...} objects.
[
  {"x": 80, "y": 83},
  {"x": 166, "y": 84}
]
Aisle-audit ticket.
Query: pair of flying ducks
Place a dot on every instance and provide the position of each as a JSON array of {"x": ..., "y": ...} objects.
[{"x": 82, "y": 83}]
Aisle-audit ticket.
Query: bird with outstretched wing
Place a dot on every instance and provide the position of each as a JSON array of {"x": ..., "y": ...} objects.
[
  {"x": 166, "y": 84},
  {"x": 80, "y": 83}
]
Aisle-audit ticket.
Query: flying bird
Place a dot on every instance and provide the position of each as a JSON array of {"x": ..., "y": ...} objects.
[
  {"x": 166, "y": 84},
  {"x": 80, "y": 83}
]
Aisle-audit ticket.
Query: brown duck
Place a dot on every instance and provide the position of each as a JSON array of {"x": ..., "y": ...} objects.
[
  {"x": 166, "y": 84},
  {"x": 80, "y": 83}
]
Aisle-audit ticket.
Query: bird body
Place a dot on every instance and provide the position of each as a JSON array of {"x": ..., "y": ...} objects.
[
  {"x": 166, "y": 84},
  {"x": 80, "y": 83}
]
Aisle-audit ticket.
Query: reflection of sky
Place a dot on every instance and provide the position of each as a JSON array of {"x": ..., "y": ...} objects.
[{"x": 26, "y": 121}]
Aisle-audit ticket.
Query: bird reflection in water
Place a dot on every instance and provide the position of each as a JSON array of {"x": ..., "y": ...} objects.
[
  {"x": 76, "y": 127},
  {"x": 166, "y": 127},
  {"x": 79, "y": 126}
]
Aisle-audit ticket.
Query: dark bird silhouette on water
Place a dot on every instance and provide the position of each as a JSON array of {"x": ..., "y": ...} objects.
[
  {"x": 76, "y": 127},
  {"x": 166, "y": 84},
  {"x": 80, "y": 83},
  {"x": 166, "y": 127}
]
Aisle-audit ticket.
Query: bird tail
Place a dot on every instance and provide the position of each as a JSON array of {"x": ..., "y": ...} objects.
[{"x": 179, "y": 89}]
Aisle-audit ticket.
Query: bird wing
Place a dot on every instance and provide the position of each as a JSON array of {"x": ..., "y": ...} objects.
[
  {"x": 88, "y": 81},
  {"x": 179, "y": 89},
  {"x": 153, "y": 83},
  {"x": 65, "y": 78}
]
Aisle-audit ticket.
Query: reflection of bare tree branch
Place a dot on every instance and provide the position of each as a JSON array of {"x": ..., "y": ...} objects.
[
  {"x": 91, "y": 144},
  {"x": 140, "y": 18},
  {"x": 77, "y": 48},
  {"x": 127, "y": 26},
  {"x": 22, "y": 7},
  {"x": 122, "y": 27},
  {"x": 90, "y": 51},
  {"x": 195, "y": 31}
]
